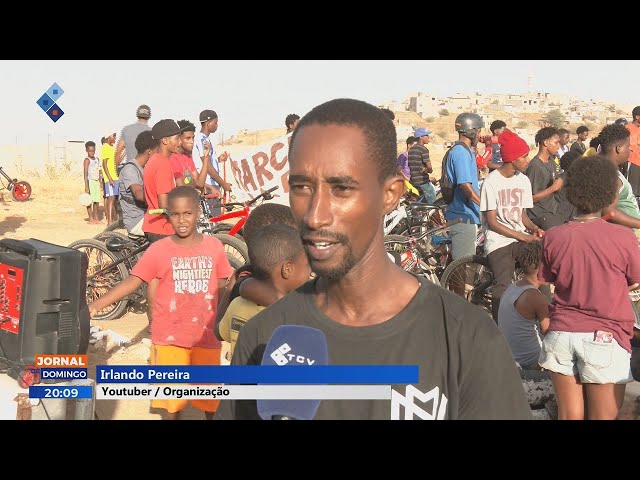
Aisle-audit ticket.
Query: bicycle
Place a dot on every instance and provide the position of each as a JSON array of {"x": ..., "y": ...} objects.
[
  {"x": 471, "y": 277},
  {"x": 419, "y": 254},
  {"x": 413, "y": 218},
  {"x": 20, "y": 190},
  {"x": 110, "y": 262},
  {"x": 216, "y": 224}
]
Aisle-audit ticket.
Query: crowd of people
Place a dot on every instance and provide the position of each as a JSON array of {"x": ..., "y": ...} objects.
[{"x": 567, "y": 218}]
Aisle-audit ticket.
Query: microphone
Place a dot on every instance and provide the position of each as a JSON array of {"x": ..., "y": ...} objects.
[{"x": 293, "y": 345}]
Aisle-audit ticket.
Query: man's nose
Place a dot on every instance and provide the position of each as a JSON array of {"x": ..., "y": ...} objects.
[{"x": 319, "y": 213}]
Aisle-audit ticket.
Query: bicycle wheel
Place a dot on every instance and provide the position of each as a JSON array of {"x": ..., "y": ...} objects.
[
  {"x": 102, "y": 236},
  {"x": 235, "y": 263},
  {"x": 234, "y": 248},
  {"x": 117, "y": 225},
  {"x": 21, "y": 191},
  {"x": 224, "y": 228},
  {"x": 471, "y": 278},
  {"x": 131, "y": 261},
  {"x": 99, "y": 257}
]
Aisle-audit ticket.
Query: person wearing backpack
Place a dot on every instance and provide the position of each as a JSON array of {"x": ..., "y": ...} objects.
[{"x": 459, "y": 185}]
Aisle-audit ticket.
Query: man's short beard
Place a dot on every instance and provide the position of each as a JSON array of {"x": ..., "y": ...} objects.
[{"x": 336, "y": 273}]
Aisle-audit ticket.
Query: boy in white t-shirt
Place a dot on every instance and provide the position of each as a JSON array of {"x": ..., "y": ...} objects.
[{"x": 505, "y": 197}]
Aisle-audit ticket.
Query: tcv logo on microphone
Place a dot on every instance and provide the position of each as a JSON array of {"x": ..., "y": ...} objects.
[{"x": 282, "y": 356}]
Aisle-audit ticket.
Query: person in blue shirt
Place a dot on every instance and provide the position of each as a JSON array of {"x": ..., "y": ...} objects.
[{"x": 463, "y": 174}]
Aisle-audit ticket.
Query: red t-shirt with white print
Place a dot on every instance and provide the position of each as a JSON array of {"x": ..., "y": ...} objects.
[{"x": 186, "y": 300}]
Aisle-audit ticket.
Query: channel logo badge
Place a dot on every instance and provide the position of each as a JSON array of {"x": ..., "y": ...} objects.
[{"x": 48, "y": 102}]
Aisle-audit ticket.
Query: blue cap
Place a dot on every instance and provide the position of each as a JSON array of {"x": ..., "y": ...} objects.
[{"x": 421, "y": 132}]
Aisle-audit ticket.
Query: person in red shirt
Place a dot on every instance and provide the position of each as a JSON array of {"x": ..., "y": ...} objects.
[
  {"x": 587, "y": 347},
  {"x": 158, "y": 179},
  {"x": 633, "y": 168},
  {"x": 483, "y": 160},
  {"x": 193, "y": 272},
  {"x": 182, "y": 166}
]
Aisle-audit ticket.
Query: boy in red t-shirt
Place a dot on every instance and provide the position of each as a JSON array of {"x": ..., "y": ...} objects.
[
  {"x": 192, "y": 273},
  {"x": 591, "y": 263}
]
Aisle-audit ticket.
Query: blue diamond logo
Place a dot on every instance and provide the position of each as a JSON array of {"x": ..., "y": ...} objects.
[
  {"x": 45, "y": 102},
  {"x": 55, "y": 92},
  {"x": 55, "y": 112}
]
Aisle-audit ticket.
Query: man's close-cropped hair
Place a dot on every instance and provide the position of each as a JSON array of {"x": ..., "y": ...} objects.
[
  {"x": 496, "y": 124},
  {"x": 267, "y": 214},
  {"x": 377, "y": 126},
  {"x": 529, "y": 257},
  {"x": 545, "y": 134},
  {"x": 612, "y": 136},
  {"x": 276, "y": 244}
]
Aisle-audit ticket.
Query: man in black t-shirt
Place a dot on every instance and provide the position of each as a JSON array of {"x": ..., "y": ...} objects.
[
  {"x": 339, "y": 196},
  {"x": 545, "y": 182},
  {"x": 579, "y": 145}
]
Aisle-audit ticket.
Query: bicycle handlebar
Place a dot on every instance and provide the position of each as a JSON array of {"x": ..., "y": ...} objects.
[{"x": 266, "y": 194}]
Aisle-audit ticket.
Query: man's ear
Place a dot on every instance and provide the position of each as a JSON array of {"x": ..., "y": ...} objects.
[{"x": 394, "y": 188}]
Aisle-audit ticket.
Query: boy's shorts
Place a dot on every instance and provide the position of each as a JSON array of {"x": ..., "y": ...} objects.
[
  {"x": 172, "y": 355},
  {"x": 110, "y": 191},
  {"x": 570, "y": 353},
  {"x": 94, "y": 191}
]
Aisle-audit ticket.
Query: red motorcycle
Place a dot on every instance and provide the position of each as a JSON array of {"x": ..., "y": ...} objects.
[{"x": 20, "y": 190}]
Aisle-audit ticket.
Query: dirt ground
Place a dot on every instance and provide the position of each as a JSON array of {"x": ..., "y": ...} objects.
[{"x": 54, "y": 214}]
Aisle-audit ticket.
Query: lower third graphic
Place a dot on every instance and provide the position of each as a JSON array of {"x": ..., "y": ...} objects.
[{"x": 48, "y": 102}]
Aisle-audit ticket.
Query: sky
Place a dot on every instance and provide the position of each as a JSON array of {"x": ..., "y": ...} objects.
[{"x": 103, "y": 95}]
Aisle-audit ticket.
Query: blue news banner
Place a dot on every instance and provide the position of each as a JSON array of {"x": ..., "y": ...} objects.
[
  {"x": 60, "y": 392},
  {"x": 257, "y": 374}
]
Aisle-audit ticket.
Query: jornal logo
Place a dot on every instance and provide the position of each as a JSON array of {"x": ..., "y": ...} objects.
[{"x": 437, "y": 410}]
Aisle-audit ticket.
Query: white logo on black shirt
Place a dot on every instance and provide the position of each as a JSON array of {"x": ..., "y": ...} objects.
[{"x": 438, "y": 405}]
